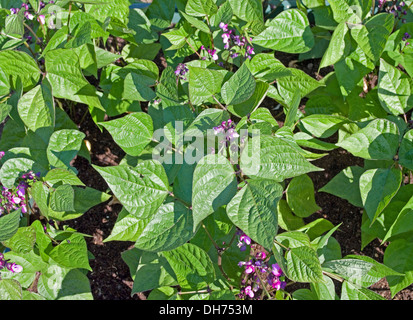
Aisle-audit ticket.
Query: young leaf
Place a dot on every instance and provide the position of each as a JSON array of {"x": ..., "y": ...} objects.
[
  {"x": 203, "y": 83},
  {"x": 339, "y": 46},
  {"x": 303, "y": 265},
  {"x": 323, "y": 125},
  {"x": 9, "y": 224},
  {"x": 200, "y": 8},
  {"x": 254, "y": 210}
]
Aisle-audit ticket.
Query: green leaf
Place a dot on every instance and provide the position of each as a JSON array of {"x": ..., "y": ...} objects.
[
  {"x": 239, "y": 87},
  {"x": 65, "y": 76},
  {"x": 372, "y": 36},
  {"x": 266, "y": 67},
  {"x": 377, "y": 188},
  {"x": 12, "y": 168},
  {"x": 346, "y": 185},
  {"x": 18, "y": 64},
  {"x": 248, "y": 106},
  {"x": 63, "y": 147},
  {"x": 289, "y": 32},
  {"x": 378, "y": 140},
  {"x": 300, "y": 196},
  {"x": 141, "y": 189},
  {"x": 261, "y": 159},
  {"x": 393, "y": 89},
  {"x": 286, "y": 219},
  {"x": 303, "y": 265},
  {"x": 254, "y": 210},
  {"x": 247, "y": 10},
  {"x": 193, "y": 267},
  {"x": 338, "y": 46},
  {"x": 127, "y": 227},
  {"x": 403, "y": 221},
  {"x": 118, "y": 9},
  {"x": 204, "y": 83},
  {"x": 171, "y": 227},
  {"x": 200, "y": 8},
  {"x": 132, "y": 132},
  {"x": 72, "y": 253},
  {"x": 9, "y": 225},
  {"x": 200, "y": 25},
  {"x": 399, "y": 257},
  {"x": 214, "y": 185},
  {"x": 406, "y": 150},
  {"x": 205, "y": 121},
  {"x": 36, "y": 107},
  {"x": 22, "y": 241},
  {"x": 350, "y": 291},
  {"x": 63, "y": 198},
  {"x": 57, "y": 175},
  {"x": 10, "y": 290},
  {"x": 323, "y": 125},
  {"x": 352, "y": 270}
]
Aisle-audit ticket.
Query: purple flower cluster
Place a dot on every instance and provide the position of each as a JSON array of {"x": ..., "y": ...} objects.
[
  {"x": 15, "y": 198},
  {"x": 11, "y": 266},
  {"x": 28, "y": 15},
  {"x": 235, "y": 43},
  {"x": 258, "y": 265},
  {"x": 212, "y": 54},
  {"x": 400, "y": 11},
  {"x": 244, "y": 241},
  {"x": 228, "y": 129},
  {"x": 181, "y": 71}
]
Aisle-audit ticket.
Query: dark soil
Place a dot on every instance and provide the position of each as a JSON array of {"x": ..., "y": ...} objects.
[{"x": 111, "y": 279}]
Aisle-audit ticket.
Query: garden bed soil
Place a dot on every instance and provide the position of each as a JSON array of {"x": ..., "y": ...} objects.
[{"x": 111, "y": 279}]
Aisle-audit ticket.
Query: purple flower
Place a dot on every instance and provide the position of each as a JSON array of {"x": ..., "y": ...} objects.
[
  {"x": 276, "y": 270},
  {"x": 181, "y": 71},
  {"x": 25, "y": 5},
  {"x": 249, "y": 292},
  {"x": 223, "y": 26},
  {"x": 14, "y": 268},
  {"x": 41, "y": 18},
  {"x": 245, "y": 238},
  {"x": 2, "y": 153}
]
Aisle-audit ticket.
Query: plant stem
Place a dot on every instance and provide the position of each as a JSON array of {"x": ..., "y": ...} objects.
[
  {"x": 193, "y": 49},
  {"x": 31, "y": 31},
  {"x": 281, "y": 245},
  {"x": 219, "y": 103}
]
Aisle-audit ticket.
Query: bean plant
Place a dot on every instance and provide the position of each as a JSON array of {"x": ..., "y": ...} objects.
[{"x": 215, "y": 185}]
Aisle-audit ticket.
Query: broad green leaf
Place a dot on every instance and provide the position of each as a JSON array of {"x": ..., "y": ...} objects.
[
  {"x": 288, "y": 85},
  {"x": 141, "y": 189},
  {"x": 247, "y": 10},
  {"x": 63, "y": 147},
  {"x": 59, "y": 283},
  {"x": 377, "y": 188},
  {"x": 338, "y": 46},
  {"x": 214, "y": 185},
  {"x": 273, "y": 158},
  {"x": 200, "y": 8},
  {"x": 66, "y": 78},
  {"x": 289, "y": 32},
  {"x": 18, "y": 64},
  {"x": 372, "y": 36},
  {"x": 393, "y": 89},
  {"x": 346, "y": 185},
  {"x": 160, "y": 14},
  {"x": 127, "y": 227},
  {"x": 323, "y": 125},
  {"x": 291, "y": 114},
  {"x": 9, "y": 225},
  {"x": 326, "y": 290},
  {"x": 204, "y": 83},
  {"x": 36, "y": 107},
  {"x": 171, "y": 227},
  {"x": 63, "y": 198},
  {"x": 266, "y": 67},
  {"x": 206, "y": 120},
  {"x": 352, "y": 270},
  {"x": 352, "y": 11},
  {"x": 293, "y": 239},
  {"x": 254, "y": 210},
  {"x": 286, "y": 219},
  {"x": 200, "y": 25},
  {"x": 132, "y": 132},
  {"x": 118, "y": 9},
  {"x": 193, "y": 267},
  {"x": 10, "y": 290},
  {"x": 72, "y": 253},
  {"x": 239, "y": 87},
  {"x": 300, "y": 196},
  {"x": 399, "y": 257},
  {"x": 57, "y": 175},
  {"x": 22, "y": 241},
  {"x": 403, "y": 221},
  {"x": 349, "y": 291},
  {"x": 305, "y": 140},
  {"x": 303, "y": 265},
  {"x": 378, "y": 140},
  {"x": 406, "y": 150}
]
